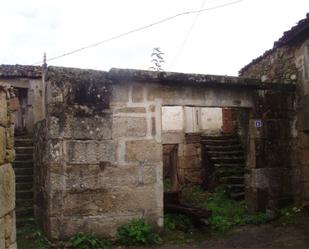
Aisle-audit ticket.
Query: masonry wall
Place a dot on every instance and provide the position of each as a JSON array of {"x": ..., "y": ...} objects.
[
  {"x": 283, "y": 65},
  {"x": 7, "y": 176},
  {"x": 99, "y": 151},
  {"x": 35, "y": 111}
]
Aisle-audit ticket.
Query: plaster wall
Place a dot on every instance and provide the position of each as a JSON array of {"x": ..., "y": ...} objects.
[{"x": 211, "y": 120}]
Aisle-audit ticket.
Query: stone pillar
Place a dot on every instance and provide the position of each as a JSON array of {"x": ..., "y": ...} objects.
[{"x": 7, "y": 176}]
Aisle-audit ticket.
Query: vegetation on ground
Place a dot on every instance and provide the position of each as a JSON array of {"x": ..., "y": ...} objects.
[
  {"x": 89, "y": 241},
  {"x": 137, "y": 232},
  {"x": 226, "y": 212},
  {"x": 178, "y": 228}
]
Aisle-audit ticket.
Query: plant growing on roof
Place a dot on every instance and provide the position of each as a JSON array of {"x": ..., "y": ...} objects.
[{"x": 157, "y": 59}]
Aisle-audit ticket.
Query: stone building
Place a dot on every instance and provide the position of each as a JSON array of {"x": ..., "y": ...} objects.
[
  {"x": 7, "y": 177},
  {"x": 288, "y": 62},
  {"x": 99, "y": 143},
  {"x": 99, "y": 150}
]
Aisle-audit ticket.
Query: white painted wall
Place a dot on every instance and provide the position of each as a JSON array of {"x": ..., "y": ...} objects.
[
  {"x": 172, "y": 118},
  {"x": 211, "y": 119},
  {"x": 191, "y": 119}
]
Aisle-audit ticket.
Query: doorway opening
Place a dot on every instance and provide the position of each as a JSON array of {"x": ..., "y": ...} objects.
[{"x": 204, "y": 147}]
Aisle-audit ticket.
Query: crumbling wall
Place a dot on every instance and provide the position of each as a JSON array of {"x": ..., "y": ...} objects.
[
  {"x": 7, "y": 176},
  {"x": 274, "y": 177}
]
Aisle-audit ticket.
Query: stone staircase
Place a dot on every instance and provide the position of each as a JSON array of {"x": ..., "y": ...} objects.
[
  {"x": 23, "y": 167},
  {"x": 225, "y": 163}
]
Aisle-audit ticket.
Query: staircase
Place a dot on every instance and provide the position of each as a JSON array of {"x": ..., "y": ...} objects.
[
  {"x": 23, "y": 167},
  {"x": 224, "y": 161}
]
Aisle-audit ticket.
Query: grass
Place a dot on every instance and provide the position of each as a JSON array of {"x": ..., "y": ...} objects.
[
  {"x": 178, "y": 229},
  {"x": 226, "y": 213},
  {"x": 30, "y": 237}
]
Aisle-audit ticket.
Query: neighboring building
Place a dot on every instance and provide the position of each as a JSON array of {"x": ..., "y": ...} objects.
[
  {"x": 28, "y": 106},
  {"x": 288, "y": 62}
]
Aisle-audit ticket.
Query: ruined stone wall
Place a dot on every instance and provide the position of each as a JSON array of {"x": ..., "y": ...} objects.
[
  {"x": 189, "y": 161},
  {"x": 7, "y": 176},
  {"x": 275, "y": 175},
  {"x": 35, "y": 111},
  {"x": 99, "y": 152}
]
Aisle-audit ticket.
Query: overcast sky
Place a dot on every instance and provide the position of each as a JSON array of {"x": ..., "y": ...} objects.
[{"x": 221, "y": 41}]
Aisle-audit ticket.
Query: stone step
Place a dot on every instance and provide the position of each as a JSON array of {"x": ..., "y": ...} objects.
[
  {"x": 225, "y": 153},
  {"x": 23, "y": 142},
  {"x": 232, "y": 180},
  {"x": 24, "y": 149},
  {"x": 237, "y": 196},
  {"x": 23, "y": 171},
  {"x": 23, "y": 164},
  {"x": 24, "y": 179},
  {"x": 227, "y": 172},
  {"x": 235, "y": 188},
  {"x": 223, "y": 147},
  {"x": 24, "y": 186},
  {"x": 228, "y": 159},
  {"x": 23, "y": 156},
  {"x": 218, "y": 137},
  {"x": 230, "y": 165},
  {"x": 24, "y": 202},
  {"x": 24, "y": 221},
  {"x": 24, "y": 194},
  {"x": 220, "y": 142},
  {"x": 24, "y": 212}
]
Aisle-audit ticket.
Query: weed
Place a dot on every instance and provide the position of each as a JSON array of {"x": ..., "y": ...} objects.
[
  {"x": 177, "y": 221},
  {"x": 89, "y": 241},
  {"x": 226, "y": 212},
  {"x": 137, "y": 232},
  {"x": 169, "y": 223},
  {"x": 289, "y": 215}
]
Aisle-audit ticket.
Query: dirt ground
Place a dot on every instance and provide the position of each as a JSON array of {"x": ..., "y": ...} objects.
[{"x": 268, "y": 236}]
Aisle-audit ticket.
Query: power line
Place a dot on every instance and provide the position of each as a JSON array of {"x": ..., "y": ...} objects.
[
  {"x": 187, "y": 36},
  {"x": 138, "y": 29}
]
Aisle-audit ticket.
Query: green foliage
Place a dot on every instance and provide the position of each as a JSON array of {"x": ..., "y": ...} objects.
[
  {"x": 157, "y": 59},
  {"x": 194, "y": 195},
  {"x": 167, "y": 184},
  {"x": 137, "y": 232},
  {"x": 226, "y": 212},
  {"x": 177, "y": 221},
  {"x": 289, "y": 215},
  {"x": 169, "y": 223},
  {"x": 29, "y": 236},
  {"x": 89, "y": 241}
]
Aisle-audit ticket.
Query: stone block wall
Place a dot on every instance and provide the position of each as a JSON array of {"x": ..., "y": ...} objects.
[
  {"x": 7, "y": 176},
  {"x": 189, "y": 160},
  {"x": 98, "y": 160},
  {"x": 99, "y": 153},
  {"x": 286, "y": 148}
]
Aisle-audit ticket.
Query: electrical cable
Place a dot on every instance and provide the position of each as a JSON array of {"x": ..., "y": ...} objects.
[
  {"x": 186, "y": 37},
  {"x": 138, "y": 29}
]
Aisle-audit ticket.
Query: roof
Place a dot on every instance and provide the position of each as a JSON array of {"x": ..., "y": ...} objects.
[
  {"x": 24, "y": 71},
  {"x": 299, "y": 32},
  {"x": 117, "y": 74},
  {"x": 61, "y": 74}
]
